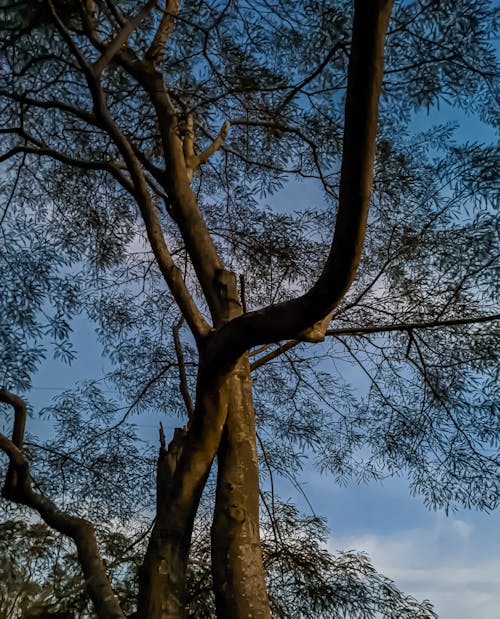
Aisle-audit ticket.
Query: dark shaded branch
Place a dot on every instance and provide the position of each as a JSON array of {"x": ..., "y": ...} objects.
[
  {"x": 411, "y": 326},
  {"x": 422, "y": 369},
  {"x": 184, "y": 387},
  {"x": 50, "y": 104},
  {"x": 404, "y": 326},
  {"x": 18, "y": 488},
  {"x": 122, "y": 37},
  {"x": 71, "y": 161},
  {"x": 296, "y": 89},
  {"x": 273, "y": 354},
  {"x": 283, "y": 128}
]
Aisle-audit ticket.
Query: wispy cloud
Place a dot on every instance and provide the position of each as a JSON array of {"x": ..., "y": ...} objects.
[{"x": 445, "y": 563}]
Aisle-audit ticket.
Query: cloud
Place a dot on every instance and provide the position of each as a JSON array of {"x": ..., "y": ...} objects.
[{"x": 446, "y": 563}]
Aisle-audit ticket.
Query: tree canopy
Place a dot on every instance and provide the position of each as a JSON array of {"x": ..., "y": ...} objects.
[{"x": 144, "y": 148}]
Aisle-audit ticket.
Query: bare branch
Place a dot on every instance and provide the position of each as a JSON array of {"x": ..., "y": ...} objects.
[
  {"x": 171, "y": 273},
  {"x": 122, "y": 37},
  {"x": 412, "y": 326},
  {"x": 296, "y": 89},
  {"x": 183, "y": 203},
  {"x": 281, "y": 349},
  {"x": 71, "y": 161},
  {"x": 193, "y": 161},
  {"x": 167, "y": 23},
  {"x": 216, "y": 144},
  {"x": 406, "y": 326},
  {"x": 49, "y": 104},
  {"x": 243, "y": 293}
]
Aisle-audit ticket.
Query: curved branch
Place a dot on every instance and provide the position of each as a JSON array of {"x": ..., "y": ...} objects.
[
  {"x": 289, "y": 319},
  {"x": 71, "y": 161},
  {"x": 317, "y": 71},
  {"x": 50, "y": 104},
  {"x": 18, "y": 488}
]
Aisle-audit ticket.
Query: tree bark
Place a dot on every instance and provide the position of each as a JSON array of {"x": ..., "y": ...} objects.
[
  {"x": 237, "y": 568},
  {"x": 290, "y": 319},
  {"x": 181, "y": 475},
  {"x": 182, "y": 471}
]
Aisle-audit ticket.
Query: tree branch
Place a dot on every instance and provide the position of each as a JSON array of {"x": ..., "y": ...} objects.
[
  {"x": 18, "y": 488},
  {"x": 298, "y": 87},
  {"x": 286, "y": 320},
  {"x": 405, "y": 326},
  {"x": 412, "y": 326},
  {"x": 167, "y": 23},
  {"x": 49, "y": 104},
  {"x": 122, "y": 37},
  {"x": 184, "y": 208},
  {"x": 281, "y": 349},
  {"x": 71, "y": 161},
  {"x": 171, "y": 273},
  {"x": 184, "y": 387}
]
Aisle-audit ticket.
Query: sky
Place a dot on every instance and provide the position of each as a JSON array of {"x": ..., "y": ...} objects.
[{"x": 452, "y": 560}]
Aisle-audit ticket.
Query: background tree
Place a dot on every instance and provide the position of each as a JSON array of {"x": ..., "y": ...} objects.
[{"x": 139, "y": 146}]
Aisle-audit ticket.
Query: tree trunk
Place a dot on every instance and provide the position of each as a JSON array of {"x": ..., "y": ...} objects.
[
  {"x": 238, "y": 572},
  {"x": 181, "y": 475}
]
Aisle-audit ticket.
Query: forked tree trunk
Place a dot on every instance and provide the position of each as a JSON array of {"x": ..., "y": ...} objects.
[
  {"x": 237, "y": 568},
  {"x": 237, "y": 563}
]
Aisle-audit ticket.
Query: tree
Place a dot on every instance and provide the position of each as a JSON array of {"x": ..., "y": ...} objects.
[{"x": 164, "y": 122}]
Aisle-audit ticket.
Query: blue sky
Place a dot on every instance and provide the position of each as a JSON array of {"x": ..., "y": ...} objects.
[{"x": 452, "y": 560}]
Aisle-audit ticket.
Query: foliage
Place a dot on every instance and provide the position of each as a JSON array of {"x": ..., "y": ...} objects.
[{"x": 418, "y": 329}]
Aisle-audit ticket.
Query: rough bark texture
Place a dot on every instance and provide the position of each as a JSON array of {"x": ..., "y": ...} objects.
[
  {"x": 238, "y": 572},
  {"x": 182, "y": 472}
]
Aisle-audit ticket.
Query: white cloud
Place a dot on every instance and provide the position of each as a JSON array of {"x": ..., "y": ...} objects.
[{"x": 443, "y": 563}]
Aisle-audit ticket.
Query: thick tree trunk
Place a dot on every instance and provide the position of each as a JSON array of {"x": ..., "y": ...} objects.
[{"x": 238, "y": 572}]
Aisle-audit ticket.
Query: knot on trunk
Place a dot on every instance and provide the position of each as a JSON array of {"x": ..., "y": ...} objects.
[{"x": 316, "y": 332}]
